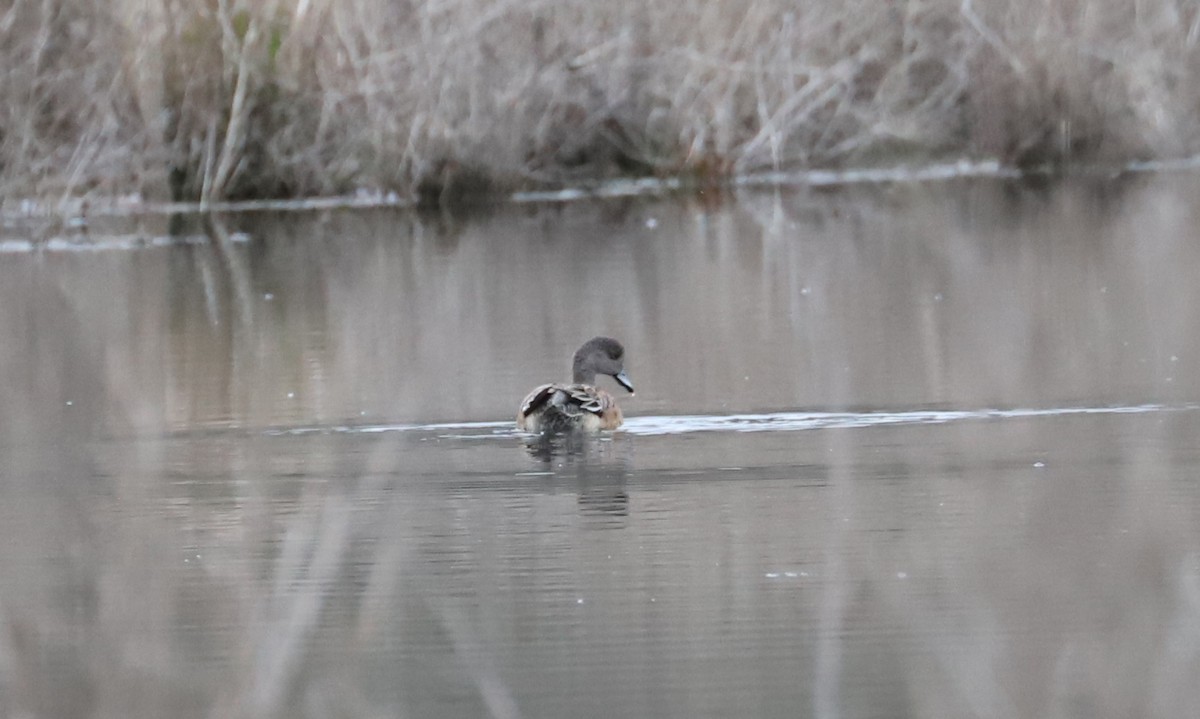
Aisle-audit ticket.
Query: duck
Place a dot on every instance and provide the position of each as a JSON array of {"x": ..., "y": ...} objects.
[{"x": 580, "y": 406}]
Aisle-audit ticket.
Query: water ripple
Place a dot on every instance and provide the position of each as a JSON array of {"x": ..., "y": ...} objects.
[
  {"x": 795, "y": 421},
  {"x": 769, "y": 422}
]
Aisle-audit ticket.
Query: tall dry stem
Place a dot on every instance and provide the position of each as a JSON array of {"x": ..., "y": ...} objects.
[{"x": 232, "y": 98}]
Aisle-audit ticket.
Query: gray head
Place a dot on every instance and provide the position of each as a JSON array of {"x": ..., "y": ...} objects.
[{"x": 601, "y": 355}]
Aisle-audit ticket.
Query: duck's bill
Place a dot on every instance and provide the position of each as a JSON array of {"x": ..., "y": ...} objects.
[{"x": 623, "y": 380}]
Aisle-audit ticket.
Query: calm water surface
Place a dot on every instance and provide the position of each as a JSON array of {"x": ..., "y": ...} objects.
[{"x": 912, "y": 451}]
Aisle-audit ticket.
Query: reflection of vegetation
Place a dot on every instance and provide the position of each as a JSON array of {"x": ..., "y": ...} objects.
[
  {"x": 224, "y": 98},
  {"x": 999, "y": 567}
]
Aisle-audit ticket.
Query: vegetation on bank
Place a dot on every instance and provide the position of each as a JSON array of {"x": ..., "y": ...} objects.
[{"x": 214, "y": 99}]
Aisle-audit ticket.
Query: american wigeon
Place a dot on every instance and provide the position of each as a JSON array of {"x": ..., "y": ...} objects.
[{"x": 579, "y": 406}]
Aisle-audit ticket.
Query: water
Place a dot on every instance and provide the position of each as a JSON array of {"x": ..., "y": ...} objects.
[{"x": 921, "y": 450}]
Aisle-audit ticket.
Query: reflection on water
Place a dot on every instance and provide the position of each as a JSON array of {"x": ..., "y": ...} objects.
[
  {"x": 547, "y": 447},
  {"x": 920, "y": 450}
]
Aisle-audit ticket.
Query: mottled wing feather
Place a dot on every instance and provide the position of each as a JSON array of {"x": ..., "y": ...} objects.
[
  {"x": 537, "y": 398},
  {"x": 588, "y": 398},
  {"x": 571, "y": 402}
]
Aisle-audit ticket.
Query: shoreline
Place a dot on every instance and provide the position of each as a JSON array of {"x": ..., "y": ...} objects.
[{"x": 76, "y": 211}]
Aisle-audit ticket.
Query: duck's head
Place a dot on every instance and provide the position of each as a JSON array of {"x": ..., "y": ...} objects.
[{"x": 601, "y": 355}]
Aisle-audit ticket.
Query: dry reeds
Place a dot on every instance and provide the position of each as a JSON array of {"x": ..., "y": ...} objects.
[{"x": 288, "y": 98}]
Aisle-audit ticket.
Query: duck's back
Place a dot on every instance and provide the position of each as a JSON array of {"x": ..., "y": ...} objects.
[{"x": 568, "y": 408}]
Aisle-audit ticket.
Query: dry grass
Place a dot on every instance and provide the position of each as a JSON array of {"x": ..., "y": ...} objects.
[{"x": 270, "y": 98}]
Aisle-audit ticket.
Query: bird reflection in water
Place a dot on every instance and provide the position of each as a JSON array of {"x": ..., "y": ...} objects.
[{"x": 596, "y": 465}]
